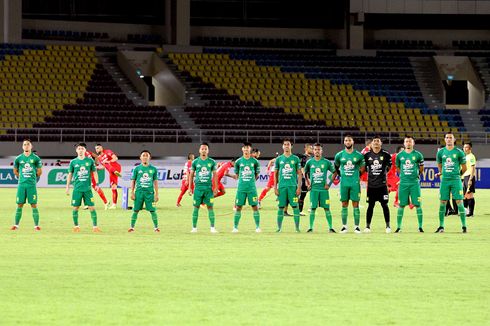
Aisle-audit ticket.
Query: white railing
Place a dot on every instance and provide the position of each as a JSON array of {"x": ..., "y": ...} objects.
[{"x": 217, "y": 135}]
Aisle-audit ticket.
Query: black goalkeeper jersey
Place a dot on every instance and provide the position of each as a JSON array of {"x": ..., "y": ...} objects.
[{"x": 377, "y": 165}]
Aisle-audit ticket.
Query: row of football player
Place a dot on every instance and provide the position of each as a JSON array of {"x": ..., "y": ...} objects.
[{"x": 349, "y": 164}]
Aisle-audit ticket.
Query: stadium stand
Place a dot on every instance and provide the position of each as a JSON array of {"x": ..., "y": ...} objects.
[
  {"x": 264, "y": 42},
  {"x": 404, "y": 44},
  {"x": 360, "y": 94}
]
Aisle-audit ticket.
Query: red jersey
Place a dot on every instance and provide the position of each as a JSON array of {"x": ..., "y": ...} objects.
[
  {"x": 187, "y": 170},
  {"x": 222, "y": 170},
  {"x": 365, "y": 150},
  {"x": 392, "y": 171},
  {"x": 106, "y": 156}
]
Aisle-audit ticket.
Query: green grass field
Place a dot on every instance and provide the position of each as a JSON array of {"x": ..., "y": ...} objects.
[{"x": 58, "y": 277}]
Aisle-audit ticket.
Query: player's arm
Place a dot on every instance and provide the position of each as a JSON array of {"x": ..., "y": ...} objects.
[
  {"x": 233, "y": 176},
  {"x": 463, "y": 168},
  {"x": 114, "y": 158},
  {"x": 68, "y": 181},
  {"x": 362, "y": 165},
  {"x": 215, "y": 183},
  {"x": 190, "y": 180},
  {"x": 276, "y": 177},
  {"x": 397, "y": 165},
  {"x": 300, "y": 181},
  {"x": 133, "y": 184},
  {"x": 307, "y": 175},
  {"x": 155, "y": 186},
  {"x": 39, "y": 171}
]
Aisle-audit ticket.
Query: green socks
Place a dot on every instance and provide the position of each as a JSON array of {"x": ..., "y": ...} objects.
[
  {"x": 442, "y": 211},
  {"x": 312, "y": 217},
  {"x": 35, "y": 216},
  {"x": 211, "y": 217},
  {"x": 236, "y": 220},
  {"x": 74, "y": 214},
  {"x": 399, "y": 217},
  {"x": 357, "y": 216},
  {"x": 195, "y": 215},
  {"x": 344, "y": 215},
  {"x": 154, "y": 218},
  {"x": 462, "y": 214},
  {"x": 134, "y": 217},
  {"x": 420, "y": 217},
  {"x": 257, "y": 218},
  {"x": 93, "y": 216},
  {"x": 280, "y": 218},
  {"x": 328, "y": 214},
  {"x": 18, "y": 215},
  {"x": 296, "y": 217}
]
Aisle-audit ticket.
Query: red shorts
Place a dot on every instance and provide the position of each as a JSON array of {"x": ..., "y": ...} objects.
[
  {"x": 93, "y": 182},
  {"x": 364, "y": 177},
  {"x": 392, "y": 183},
  {"x": 221, "y": 187},
  {"x": 112, "y": 177},
  {"x": 270, "y": 183}
]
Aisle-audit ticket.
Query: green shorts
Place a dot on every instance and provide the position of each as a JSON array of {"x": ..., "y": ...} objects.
[
  {"x": 202, "y": 196},
  {"x": 319, "y": 198},
  {"x": 144, "y": 197},
  {"x": 409, "y": 190},
  {"x": 350, "y": 192},
  {"x": 242, "y": 196},
  {"x": 455, "y": 187},
  {"x": 287, "y": 196},
  {"x": 28, "y": 193},
  {"x": 76, "y": 198}
]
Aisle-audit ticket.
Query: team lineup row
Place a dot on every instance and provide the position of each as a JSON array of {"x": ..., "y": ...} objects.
[{"x": 290, "y": 177}]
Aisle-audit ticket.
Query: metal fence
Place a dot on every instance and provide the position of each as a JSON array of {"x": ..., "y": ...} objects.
[{"x": 221, "y": 136}]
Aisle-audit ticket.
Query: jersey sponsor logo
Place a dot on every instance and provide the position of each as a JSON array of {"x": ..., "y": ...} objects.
[
  {"x": 27, "y": 170},
  {"x": 82, "y": 174},
  {"x": 449, "y": 165},
  {"x": 145, "y": 180},
  {"x": 287, "y": 169}
]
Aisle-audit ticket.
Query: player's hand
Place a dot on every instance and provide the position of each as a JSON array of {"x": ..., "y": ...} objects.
[
  {"x": 298, "y": 191},
  {"x": 276, "y": 191},
  {"x": 133, "y": 197},
  {"x": 438, "y": 174},
  {"x": 326, "y": 187},
  {"x": 67, "y": 191},
  {"x": 191, "y": 191},
  {"x": 215, "y": 192},
  {"x": 155, "y": 198}
]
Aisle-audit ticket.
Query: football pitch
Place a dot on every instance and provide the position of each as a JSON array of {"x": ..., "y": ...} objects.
[{"x": 56, "y": 277}]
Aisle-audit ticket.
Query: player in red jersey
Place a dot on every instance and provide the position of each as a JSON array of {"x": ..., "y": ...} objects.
[
  {"x": 222, "y": 171},
  {"x": 366, "y": 149},
  {"x": 391, "y": 178},
  {"x": 184, "y": 186},
  {"x": 94, "y": 184},
  {"x": 108, "y": 159},
  {"x": 270, "y": 182}
]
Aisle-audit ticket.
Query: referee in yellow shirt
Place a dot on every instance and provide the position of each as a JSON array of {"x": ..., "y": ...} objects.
[{"x": 469, "y": 179}]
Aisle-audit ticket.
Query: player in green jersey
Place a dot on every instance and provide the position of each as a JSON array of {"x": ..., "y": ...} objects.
[
  {"x": 316, "y": 170},
  {"x": 349, "y": 164},
  {"x": 145, "y": 180},
  {"x": 247, "y": 169},
  {"x": 451, "y": 162},
  {"x": 27, "y": 168},
  {"x": 203, "y": 185},
  {"x": 409, "y": 165},
  {"x": 81, "y": 170},
  {"x": 287, "y": 183}
]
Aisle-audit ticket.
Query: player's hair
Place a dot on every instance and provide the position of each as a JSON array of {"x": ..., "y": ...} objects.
[
  {"x": 145, "y": 151},
  {"x": 99, "y": 144},
  {"x": 398, "y": 148},
  {"x": 408, "y": 137},
  {"x": 246, "y": 143},
  {"x": 204, "y": 144},
  {"x": 376, "y": 137},
  {"x": 307, "y": 145},
  {"x": 81, "y": 144},
  {"x": 287, "y": 140},
  {"x": 448, "y": 133},
  {"x": 369, "y": 141},
  {"x": 348, "y": 136},
  {"x": 27, "y": 139},
  {"x": 317, "y": 145},
  {"x": 468, "y": 143},
  {"x": 189, "y": 155},
  {"x": 233, "y": 159}
]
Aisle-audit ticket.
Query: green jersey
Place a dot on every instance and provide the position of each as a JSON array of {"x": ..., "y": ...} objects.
[
  {"x": 144, "y": 177},
  {"x": 247, "y": 170},
  {"x": 317, "y": 171},
  {"x": 349, "y": 165},
  {"x": 287, "y": 170},
  {"x": 203, "y": 173},
  {"x": 27, "y": 167},
  {"x": 451, "y": 161},
  {"x": 82, "y": 173},
  {"x": 409, "y": 164}
]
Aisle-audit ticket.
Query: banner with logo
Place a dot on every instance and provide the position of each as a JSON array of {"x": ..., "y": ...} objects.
[{"x": 171, "y": 172}]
